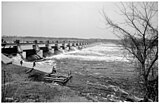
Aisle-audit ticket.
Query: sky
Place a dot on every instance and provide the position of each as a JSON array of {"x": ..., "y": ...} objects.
[
  {"x": 61, "y": 19},
  {"x": 56, "y": 19}
]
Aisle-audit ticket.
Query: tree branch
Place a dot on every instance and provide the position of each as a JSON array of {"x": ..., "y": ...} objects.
[{"x": 152, "y": 63}]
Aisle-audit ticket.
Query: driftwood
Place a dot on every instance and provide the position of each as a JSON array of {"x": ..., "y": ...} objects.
[
  {"x": 59, "y": 79},
  {"x": 29, "y": 71},
  {"x": 63, "y": 82},
  {"x": 57, "y": 75},
  {"x": 51, "y": 78},
  {"x": 116, "y": 89}
]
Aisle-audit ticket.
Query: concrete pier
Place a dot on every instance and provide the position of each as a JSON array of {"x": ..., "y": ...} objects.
[
  {"x": 63, "y": 45},
  {"x": 35, "y": 51}
]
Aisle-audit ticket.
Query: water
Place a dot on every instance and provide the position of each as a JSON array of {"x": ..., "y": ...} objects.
[
  {"x": 91, "y": 77},
  {"x": 98, "y": 52}
]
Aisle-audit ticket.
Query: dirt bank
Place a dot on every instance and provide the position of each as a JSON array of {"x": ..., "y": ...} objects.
[
  {"x": 19, "y": 87},
  {"x": 92, "y": 81}
]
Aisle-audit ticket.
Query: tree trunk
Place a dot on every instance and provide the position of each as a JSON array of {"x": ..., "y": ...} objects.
[
  {"x": 145, "y": 77},
  {"x": 146, "y": 96}
]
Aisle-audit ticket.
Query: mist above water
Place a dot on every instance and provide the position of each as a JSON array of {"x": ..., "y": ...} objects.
[{"x": 99, "y": 52}]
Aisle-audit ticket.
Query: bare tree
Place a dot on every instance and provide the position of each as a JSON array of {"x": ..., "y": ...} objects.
[{"x": 139, "y": 36}]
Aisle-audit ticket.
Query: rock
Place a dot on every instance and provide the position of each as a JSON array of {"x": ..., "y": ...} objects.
[
  {"x": 133, "y": 99},
  {"x": 7, "y": 99},
  {"x": 118, "y": 91},
  {"x": 113, "y": 98}
]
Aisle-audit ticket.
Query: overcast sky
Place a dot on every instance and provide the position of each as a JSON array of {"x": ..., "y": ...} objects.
[{"x": 57, "y": 19}]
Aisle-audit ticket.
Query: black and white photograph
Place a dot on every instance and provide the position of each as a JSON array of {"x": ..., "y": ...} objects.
[{"x": 79, "y": 51}]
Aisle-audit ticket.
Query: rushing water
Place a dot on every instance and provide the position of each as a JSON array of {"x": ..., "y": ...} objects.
[
  {"x": 98, "y": 71},
  {"x": 94, "y": 70},
  {"x": 99, "y": 52}
]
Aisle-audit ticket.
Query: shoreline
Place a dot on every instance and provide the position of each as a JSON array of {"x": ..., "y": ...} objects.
[
  {"x": 89, "y": 82},
  {"x": 20, "y": 87}
]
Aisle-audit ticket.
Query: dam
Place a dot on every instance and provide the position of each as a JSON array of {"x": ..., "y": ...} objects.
[
  {"x": 31, "y": 52},
  {"x": 41, "y": 49}
]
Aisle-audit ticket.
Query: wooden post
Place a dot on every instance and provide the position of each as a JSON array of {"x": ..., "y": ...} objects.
[{"x": 4, "y": 93}]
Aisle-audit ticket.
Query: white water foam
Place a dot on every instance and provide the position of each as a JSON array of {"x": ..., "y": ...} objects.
[{"x": 99, "y": 52}]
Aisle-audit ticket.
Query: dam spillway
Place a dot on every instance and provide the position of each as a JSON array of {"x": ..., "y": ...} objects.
[{"x": 36, "y": 50}]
